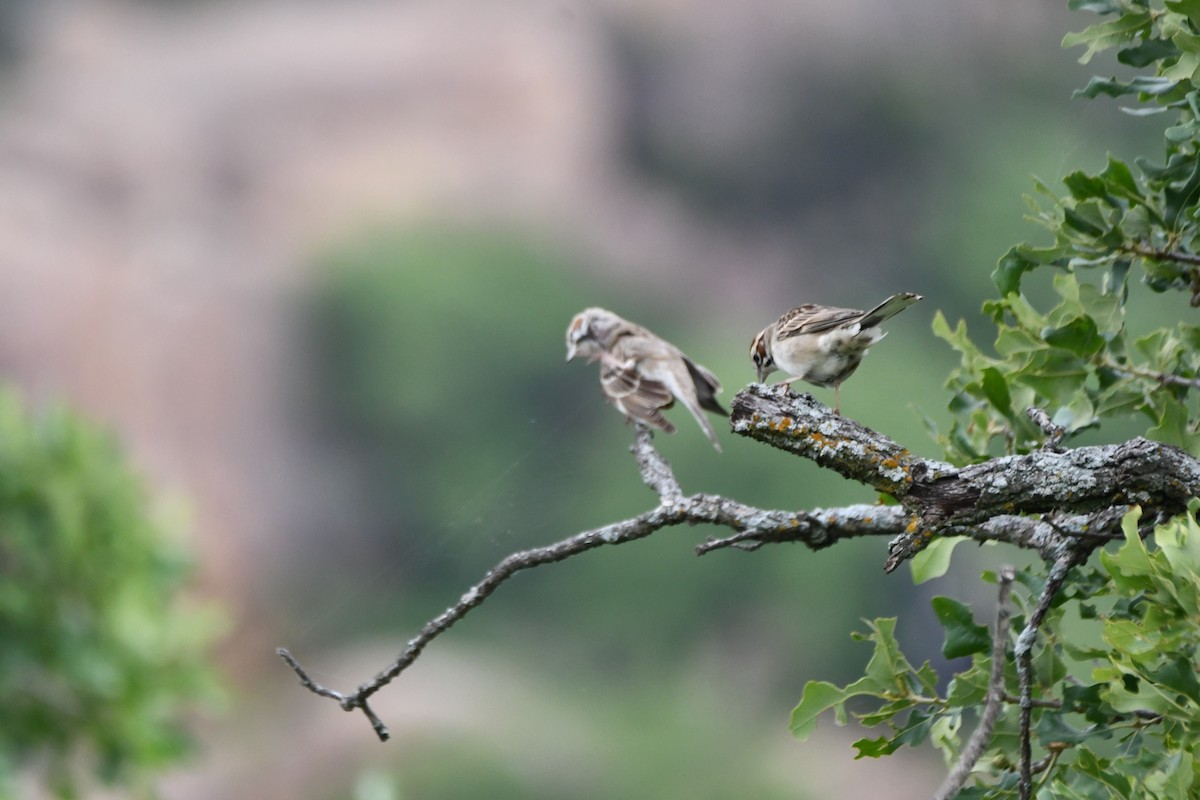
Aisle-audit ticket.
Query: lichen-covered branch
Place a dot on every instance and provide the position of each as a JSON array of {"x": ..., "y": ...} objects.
[
  {"x": 1047, "y": 534},
  {"x": 818, "y": 528},
  {"x": 801, "y": 425},
  {"x": 1077, "y": 491}
]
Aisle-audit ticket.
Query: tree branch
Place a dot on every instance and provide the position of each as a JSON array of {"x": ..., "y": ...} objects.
[
  {"x": 995, "y": 696},
  {"x": 1050, "y": 502},
  {"x": 817, "y": 529},
  {"x": 1073, "y": 484}
]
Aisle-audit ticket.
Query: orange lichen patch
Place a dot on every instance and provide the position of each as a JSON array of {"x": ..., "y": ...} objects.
[
  {"x": 891, "y": 463},
  {"x": 912, "y": 525},
  {"x": 785, "y": 423},
  {"x": 868, "y": 520},
  {"x": 818, "y": 437}
]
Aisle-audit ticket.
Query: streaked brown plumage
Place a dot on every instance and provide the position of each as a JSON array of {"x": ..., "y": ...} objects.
[
  {"x": 641, "y": 373},
  {"x": 822, "y": 345}
]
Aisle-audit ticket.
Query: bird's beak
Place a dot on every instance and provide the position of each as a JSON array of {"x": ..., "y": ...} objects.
[
  {"x": 763, "y": 372},
  {"x": 570, "y": 351}
]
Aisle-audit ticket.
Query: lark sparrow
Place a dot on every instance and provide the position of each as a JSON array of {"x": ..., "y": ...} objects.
[
  {"x": 642, "y": 374},
  {"x": 820, "y": 344}
]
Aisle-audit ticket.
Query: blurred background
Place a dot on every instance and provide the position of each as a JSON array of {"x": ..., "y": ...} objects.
[{"x": 313, "y": 262}]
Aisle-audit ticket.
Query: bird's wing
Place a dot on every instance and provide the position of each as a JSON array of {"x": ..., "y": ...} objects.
[
  {"x": 811, "y": 318},
  {"x": 635, "y": 395},
  {"x": 655, "y": 365}
]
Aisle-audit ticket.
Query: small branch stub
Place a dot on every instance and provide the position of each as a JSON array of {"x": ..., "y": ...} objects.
[{"x": 1054, "y": 433}]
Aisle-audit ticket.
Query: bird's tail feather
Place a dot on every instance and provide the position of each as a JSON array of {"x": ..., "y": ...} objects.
[
  {"x": 698, "y": 413},
  {"x": 888, "y": 308},
  {"x": 707, "y": 387}
]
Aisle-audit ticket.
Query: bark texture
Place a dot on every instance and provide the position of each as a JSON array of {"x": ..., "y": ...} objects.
[{"x": 1080, "y": 493}]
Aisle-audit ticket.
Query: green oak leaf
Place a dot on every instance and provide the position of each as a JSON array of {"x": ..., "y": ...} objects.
[{"x": 964, "y": 636}]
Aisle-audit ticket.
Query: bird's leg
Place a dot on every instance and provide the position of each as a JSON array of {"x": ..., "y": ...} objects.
[
  {"x": 837, "y": 410},
  {"x": 786, "y": 384}
]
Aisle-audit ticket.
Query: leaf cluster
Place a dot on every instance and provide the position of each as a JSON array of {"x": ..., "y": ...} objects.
[
  {"x": 1121, "y": 230},
  {"x": 101, "y": 657},
  {"x": 1117, "y": 701}
]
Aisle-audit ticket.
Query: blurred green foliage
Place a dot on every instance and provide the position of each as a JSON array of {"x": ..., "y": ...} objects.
[{"x": 102, "y": 659}]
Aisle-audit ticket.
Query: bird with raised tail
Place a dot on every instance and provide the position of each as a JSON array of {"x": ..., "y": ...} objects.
[
  {"x": 822, "y": 345},
  {"x": 642, "y": 374}
]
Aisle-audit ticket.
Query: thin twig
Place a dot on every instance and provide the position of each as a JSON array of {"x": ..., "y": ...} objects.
[
  {"x": 1170, "y": 379},
  {"x": 1162, "y": 254},
  {"x": 618, "y": 533},
  {"x": 347, "y": 702},
  {"x": 995, "y": 695},
  {"x": 656, "y": 472},
  {"x": 1161, "y": 378},
  {"x": 1045, "y": 763},
  {"x": 305, "y": 680},
  {"x": 1024, "y": 656},
  {"x": 1035, "y": 702}
]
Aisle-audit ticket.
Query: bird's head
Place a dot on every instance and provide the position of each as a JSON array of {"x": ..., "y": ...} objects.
[
  {"x": 760, "y": 354},
  {"x": 588, "y": 333}
]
